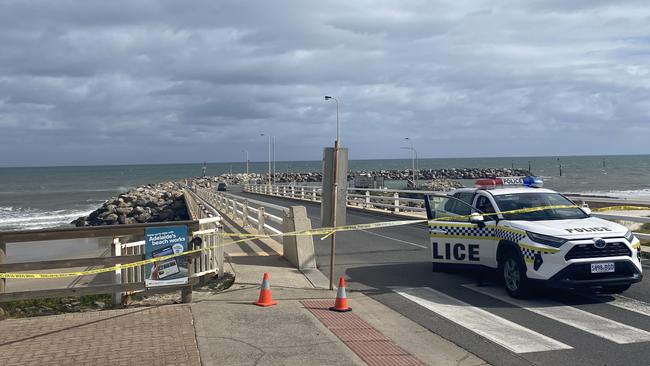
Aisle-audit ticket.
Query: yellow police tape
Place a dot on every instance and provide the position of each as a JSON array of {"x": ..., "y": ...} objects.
[
  {"x": 621, "y": 208},
  {"x": 326, "y": 231},
  {"x": 321, "y": 231}
]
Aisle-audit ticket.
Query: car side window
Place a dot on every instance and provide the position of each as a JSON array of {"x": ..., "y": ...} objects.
[
  {"x": 462, "y": 205},
  {"x": 484, "y": 205}
]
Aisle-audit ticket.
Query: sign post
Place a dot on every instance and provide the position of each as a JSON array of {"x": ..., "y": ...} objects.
[{"x": 160, "y": 242}]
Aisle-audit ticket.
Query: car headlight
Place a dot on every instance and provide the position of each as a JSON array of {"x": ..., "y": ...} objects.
[
  {"x": 546, "y": 239},
  {"x": 629, "y": 236}
]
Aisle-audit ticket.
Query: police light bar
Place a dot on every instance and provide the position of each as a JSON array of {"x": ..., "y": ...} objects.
[
  {"x": 490, "y": 183},
  {"x": 533, "y": 181}
]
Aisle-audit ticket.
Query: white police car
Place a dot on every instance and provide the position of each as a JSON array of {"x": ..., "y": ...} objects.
[{"x": 530, "y": 234}]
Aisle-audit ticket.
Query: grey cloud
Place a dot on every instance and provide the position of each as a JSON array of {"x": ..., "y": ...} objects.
[{"x": 84, "y": 82}]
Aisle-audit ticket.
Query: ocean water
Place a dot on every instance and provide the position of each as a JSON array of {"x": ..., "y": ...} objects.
[{"x": 33, "y": 198}]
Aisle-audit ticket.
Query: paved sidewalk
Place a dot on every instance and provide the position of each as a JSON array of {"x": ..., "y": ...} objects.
[
  {"x": 232, "y": 331},
  {"x": 140, "y": 336},
  {"x": 225, "y": 328}
]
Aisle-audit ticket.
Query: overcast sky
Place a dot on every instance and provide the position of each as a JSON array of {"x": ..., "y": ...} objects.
[{"x": 101, "y": 82}]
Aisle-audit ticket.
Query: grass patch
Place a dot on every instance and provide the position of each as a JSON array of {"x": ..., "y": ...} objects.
[{"x": 56, "y": 305}]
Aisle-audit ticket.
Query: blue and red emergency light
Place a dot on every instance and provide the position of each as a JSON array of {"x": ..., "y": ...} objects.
[{"x": 490, "y": 183}]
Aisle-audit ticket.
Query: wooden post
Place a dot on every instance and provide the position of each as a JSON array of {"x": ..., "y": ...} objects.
[
  {"x": 186, "y": 292},
  {"x": 3, "y": 255},
  {"x": 116, "y": 250}
]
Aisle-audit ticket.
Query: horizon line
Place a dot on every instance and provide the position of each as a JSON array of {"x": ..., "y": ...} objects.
[{"x": 300, "y": 161}]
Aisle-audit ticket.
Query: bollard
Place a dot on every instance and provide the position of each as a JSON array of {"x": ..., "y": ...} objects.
[
  {"x": 302, "y": 193},
  {"x": 260, "y": 220},
  {"x": 396, "y": 202},
  {"x": 367, "y": 199}
]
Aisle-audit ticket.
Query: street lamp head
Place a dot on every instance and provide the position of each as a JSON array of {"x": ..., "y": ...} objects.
[{"x": 327, "y": 97}]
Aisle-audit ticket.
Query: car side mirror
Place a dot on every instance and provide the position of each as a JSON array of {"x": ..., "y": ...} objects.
[
  {"x": 586, "y": 210},
  {"x": 478, "y": 219}
]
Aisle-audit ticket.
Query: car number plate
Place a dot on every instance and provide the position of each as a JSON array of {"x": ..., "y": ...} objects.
[{"x": 602, "y": 267}]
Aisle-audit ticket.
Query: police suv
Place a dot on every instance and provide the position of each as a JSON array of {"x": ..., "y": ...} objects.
[{"x": 531, "y": 235}]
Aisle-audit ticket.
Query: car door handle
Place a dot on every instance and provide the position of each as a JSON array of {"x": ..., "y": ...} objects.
[{"x": 437, "y": 231}]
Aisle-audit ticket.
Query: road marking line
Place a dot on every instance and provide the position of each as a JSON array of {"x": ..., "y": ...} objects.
[
  {"x": 627, "y": 303},
  {"x": 583, "y": 320},
  {"x": 497, "y": 329}
]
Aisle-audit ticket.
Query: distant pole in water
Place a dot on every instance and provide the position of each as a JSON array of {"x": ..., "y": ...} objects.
[
  {"x": 529, "y": 168},
  {"x": 512, "y": 165},
  {"x": 203, "y": 170},
  {"x": 604, "y": 163},
  {"x": 559, "y": 163}
]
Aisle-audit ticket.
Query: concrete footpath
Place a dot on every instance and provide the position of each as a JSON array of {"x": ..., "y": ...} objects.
[
  {"x": 232, "y": 331},
  {"x": 224, "y": 328}
]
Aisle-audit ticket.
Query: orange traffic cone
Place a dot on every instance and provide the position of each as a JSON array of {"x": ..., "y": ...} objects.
[
  {"x": 265, "y": 298},
  {"x": 341, "y": 303}
]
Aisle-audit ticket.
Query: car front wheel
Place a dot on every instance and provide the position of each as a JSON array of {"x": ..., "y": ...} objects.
[{"x": 513, "y": 272}]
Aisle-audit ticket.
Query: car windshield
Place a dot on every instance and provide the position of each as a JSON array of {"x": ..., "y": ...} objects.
[{"x": 510, "y": 202}]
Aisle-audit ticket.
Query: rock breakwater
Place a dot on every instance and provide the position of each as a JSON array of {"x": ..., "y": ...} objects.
[
  {"x": 148, "y": 203},
  {"x": 423, "y": 174}
]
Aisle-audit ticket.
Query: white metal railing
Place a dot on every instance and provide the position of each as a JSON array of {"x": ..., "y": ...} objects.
[
  {"x": 250, "y": 212},
  {"x": 393, "y": 200}
]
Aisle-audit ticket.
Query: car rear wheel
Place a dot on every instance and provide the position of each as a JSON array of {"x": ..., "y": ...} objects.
[{"x": 513, "y": 273}]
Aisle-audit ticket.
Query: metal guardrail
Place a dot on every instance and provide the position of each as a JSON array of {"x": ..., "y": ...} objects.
[
  {"x": 393, "y": 200},
  {"x": 125, "y": 248}
]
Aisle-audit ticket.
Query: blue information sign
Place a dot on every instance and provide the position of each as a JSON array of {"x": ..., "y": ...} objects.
[{"x": 162, "y": 241}]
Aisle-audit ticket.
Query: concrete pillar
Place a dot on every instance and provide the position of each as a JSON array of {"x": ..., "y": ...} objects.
[
  {"x": 260, "y": 220},
  {"x": 245, "y": 214},
  {"x": 298, "y": 250}
]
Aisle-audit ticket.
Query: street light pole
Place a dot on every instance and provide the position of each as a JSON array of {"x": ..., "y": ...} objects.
[
  {"x": 414, "y": 157},
  {"x": 269, "y": 136},
  {"x": 246, "y": 151},
  {"x": 273, "y": 159},
  {"x": 335, "y": 191}
]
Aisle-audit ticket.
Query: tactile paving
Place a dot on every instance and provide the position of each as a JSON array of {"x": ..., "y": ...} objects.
[{"x": 368, "y": 343}]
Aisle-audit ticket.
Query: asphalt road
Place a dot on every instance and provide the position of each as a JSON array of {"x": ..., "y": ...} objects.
[{"x": 552, "y": 328}]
